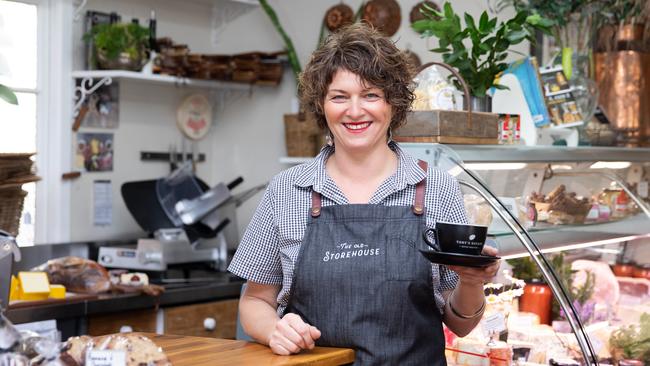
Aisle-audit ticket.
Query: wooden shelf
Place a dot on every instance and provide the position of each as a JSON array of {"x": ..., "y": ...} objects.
[{"x": 160, "y": 79}]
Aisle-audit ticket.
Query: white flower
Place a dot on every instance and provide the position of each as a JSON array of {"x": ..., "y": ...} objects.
[
  {"x": 506, "y": 296},
  {"x": 517, "y": 292},
  {"x": 492, "y": 299}
]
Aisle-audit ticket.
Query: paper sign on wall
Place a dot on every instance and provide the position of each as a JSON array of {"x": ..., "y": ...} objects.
[{"x": 102, "y": 203}]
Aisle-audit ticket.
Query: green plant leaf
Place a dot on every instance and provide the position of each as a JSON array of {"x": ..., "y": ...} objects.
[
  {"x": 469, "y": 21},
  {"x": 448, "y": 11},
  {"x": 516, "y": 36},
  {"x": 8, "y": 95},
  {"x": 483, "y": 24}
]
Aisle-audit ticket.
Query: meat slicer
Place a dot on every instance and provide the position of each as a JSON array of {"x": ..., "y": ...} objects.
[{"x": 189, "y": 221}]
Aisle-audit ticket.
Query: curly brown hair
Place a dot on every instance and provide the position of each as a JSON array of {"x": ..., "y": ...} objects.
[{"x": 364, "y": 51}]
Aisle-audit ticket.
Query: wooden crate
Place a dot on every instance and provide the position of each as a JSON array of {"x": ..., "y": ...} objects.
[{"x": 449, "y": 127}]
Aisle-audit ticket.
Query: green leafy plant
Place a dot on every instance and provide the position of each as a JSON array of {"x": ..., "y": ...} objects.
[
  {"x": 8, "y": 95},
  {"x": 490, "y": 42},
  {"x": 291, "y": 51},
  {"x": 632, "y": 342},
  {"x": 526, "y": 269},
  {"x": 117, "y": 38}
]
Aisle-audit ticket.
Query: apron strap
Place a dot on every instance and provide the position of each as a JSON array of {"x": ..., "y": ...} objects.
[
  {"x": 315, "y": 203},
  {"x": 418, "y": 201}
]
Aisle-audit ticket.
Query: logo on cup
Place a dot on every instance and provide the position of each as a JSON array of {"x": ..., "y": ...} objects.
[{"x": 450, "y": 238}]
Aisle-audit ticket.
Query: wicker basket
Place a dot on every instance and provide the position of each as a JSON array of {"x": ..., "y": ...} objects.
[
  {"x": 15, "y": 165},
  {"x": 303, "y": 138},
  {"x": 11, "y": 207}
]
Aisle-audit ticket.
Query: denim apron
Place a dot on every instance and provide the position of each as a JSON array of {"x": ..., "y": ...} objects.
[{"x": 360, "y": 279}]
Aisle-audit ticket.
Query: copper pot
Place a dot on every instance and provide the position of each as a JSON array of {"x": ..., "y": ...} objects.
[{"x": 624, "y": 92}]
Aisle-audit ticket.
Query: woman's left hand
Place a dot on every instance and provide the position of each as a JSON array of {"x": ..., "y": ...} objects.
[{"x": 478, "y": 276}]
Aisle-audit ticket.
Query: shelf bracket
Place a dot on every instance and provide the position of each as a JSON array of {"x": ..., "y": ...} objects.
[
  {"x": 86, "y": 88},
  {"x": 79, "y": 10}
]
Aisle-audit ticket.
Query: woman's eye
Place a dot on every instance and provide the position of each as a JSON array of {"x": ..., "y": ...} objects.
[
  {"x": 338, "y": 97},
  {"x": 373, "y": 96}
]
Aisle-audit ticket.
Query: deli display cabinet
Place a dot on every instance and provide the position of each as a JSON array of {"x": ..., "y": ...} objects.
[{"x": 572, "y": 226}]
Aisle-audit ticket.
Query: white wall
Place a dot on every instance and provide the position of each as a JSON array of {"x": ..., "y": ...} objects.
[{"x": 247, "y": 137}]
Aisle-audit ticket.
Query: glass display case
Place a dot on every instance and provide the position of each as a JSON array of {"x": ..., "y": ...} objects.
[{"x": 572, "y": 226}]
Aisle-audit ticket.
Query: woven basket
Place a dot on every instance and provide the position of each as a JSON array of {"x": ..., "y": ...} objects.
[
  {"x": 303, "y": 138},
  {"x": 15, "y": 165},
  {"x": 11, "y": 207}
]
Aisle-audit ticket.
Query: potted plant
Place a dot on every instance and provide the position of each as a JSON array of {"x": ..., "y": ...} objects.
[
  {"x": 631, "y": 345},
  {"x": 489, "y": 41},
  {"x": 119, "y": 45},
  {"x": 537, "y": 297}
]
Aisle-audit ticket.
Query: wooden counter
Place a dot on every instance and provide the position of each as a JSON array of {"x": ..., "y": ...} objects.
[{"x": 197, "y": 351}]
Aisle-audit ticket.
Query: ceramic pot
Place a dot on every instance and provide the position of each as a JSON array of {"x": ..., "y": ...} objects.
[
  {"x": 623, "y": 269},
  {"x": 537, "y": 299}
]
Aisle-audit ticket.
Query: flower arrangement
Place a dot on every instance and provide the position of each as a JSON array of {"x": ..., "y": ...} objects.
[{"x": 499, "y": 293}]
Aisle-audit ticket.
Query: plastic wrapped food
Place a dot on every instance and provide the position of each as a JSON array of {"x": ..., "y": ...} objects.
[
  {"x": 13, "y": 359},
  {"x": 433, "y": 91},
  {"x": 9, "y": 336},
  {"x": 479, "y": 212},
  {"x": 139, "y": 349},
  {"x": 77, "y": 274}
]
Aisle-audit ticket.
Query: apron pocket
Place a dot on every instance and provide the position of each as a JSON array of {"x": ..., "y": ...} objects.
[{"x": 401, "y": 259}]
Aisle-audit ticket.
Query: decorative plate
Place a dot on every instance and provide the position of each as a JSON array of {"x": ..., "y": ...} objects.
[
  {"x": 385, "y": 15},
  {"x": 194, "y": 116}
]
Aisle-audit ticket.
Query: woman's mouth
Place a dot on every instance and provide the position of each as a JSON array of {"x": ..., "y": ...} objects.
[{"x": 357, "y": 126}]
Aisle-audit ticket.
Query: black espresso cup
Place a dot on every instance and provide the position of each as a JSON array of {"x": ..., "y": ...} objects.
[{"x": 458, "y": 238}]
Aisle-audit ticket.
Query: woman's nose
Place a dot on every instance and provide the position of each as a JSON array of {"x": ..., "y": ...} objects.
[{"x": 355, "y": 109}]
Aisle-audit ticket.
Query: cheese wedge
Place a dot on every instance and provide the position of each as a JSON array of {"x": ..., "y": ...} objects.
[
  {"x": 57, "y": 292},
  {"x": 34, "y": 286}
]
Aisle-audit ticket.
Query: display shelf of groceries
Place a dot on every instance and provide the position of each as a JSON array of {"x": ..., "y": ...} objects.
[
  {"x": 160, "y": 79},
  {"x": 566, "y": 237},
  {"x": 526, "y": 154},
  {"x": 543, "y": 154}
]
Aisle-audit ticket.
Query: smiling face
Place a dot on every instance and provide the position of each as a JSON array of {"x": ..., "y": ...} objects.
[{"x": 357, "y": 114}]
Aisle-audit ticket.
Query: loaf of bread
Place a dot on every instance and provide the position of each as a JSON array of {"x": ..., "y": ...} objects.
[
  {"x": 139, "y": 350},
  {"x": 77, "y": 274}
]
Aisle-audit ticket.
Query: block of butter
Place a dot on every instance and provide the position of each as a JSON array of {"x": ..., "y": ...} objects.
[
  {"x": 57, "y": 292},
  {"x": 34, "y": 286}
]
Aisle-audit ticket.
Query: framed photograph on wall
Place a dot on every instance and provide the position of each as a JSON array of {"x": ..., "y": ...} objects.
[{"x": 94, "y": 152}]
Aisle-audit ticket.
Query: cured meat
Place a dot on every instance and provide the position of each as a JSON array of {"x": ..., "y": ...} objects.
[{"x": 77, "y": 274}]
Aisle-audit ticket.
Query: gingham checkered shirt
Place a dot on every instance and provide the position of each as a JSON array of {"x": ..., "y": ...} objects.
[{"x": 269, "y": 248}]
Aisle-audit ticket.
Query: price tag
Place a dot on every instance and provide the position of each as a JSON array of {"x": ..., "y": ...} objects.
[
  {"x": 493, "y": 324},
  {"x": 642, "y": 189},
  {"x": 105, "y": 358}
]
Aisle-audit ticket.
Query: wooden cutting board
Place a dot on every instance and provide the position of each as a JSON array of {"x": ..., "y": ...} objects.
[
  {"x": 198, "y": 351},
  {"x": 70, "y": 298}
]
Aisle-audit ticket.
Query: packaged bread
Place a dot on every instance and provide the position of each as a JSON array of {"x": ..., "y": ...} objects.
[
  {"x": 77, "y": 274},
  {"x": 139, "y": 349}
]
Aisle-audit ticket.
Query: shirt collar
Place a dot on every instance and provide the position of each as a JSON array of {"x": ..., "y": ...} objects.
[{"x": 313, "y": 173}]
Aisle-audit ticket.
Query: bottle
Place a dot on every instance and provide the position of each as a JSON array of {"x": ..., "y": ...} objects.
[{"x": 152, "y": 32}]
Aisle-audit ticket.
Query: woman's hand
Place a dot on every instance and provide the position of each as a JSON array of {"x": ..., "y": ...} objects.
[
  {"x": 292, "y": 335},
  {"x": 478, "y": 276}
]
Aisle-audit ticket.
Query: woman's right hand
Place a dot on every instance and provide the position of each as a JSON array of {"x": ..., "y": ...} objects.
[{"x": 291, "y": 335}]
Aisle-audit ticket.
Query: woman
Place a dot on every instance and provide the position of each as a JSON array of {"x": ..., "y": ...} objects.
[{"x": 331, "y": 253}]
